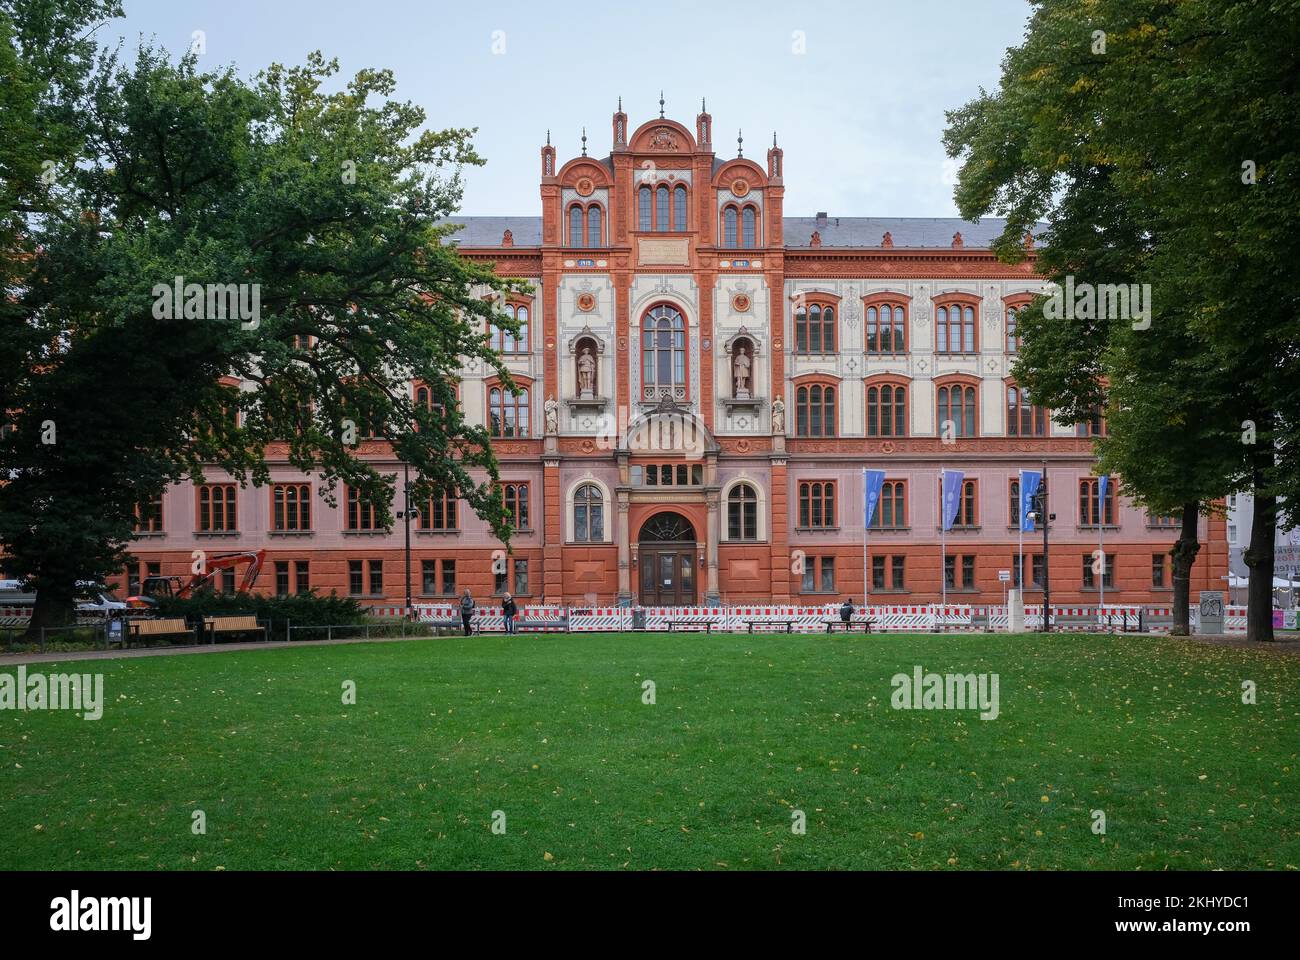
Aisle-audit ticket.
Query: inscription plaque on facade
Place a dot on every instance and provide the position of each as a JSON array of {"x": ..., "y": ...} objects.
[{"x": 657, "y": 251}]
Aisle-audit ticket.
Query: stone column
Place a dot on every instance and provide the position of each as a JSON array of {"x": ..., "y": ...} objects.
[
  {"x": 713, "y": 533},
  {"x": 624, "y": 550}
]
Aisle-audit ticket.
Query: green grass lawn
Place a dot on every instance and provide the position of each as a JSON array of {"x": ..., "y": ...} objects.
[{"x": 552, "y": 731}]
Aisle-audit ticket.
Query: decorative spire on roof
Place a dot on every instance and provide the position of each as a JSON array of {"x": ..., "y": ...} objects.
[
  {"x": 661, "y": 104},
  {"x": 740, "y": 143},
  {"x": 584, "y": 141}
]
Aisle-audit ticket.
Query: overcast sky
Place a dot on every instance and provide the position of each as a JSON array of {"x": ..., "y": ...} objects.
[{"x": 859, "y": 112}]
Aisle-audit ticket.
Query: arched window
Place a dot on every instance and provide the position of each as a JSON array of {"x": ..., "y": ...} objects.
[
  {"x": 886, "y": 331},
  {"x": 891, "y": 511},
  {"x": 748, "y": 228},
  {"x": 663, "y": 220},
  {"x": 955, "y": 329},
  {"x": 593, "y": 225},
  {"x": 643, "y": 208},
  {"x": 817, "y": 504},
  {"x": 679, "y": 207},
  {"x": 965, "y": 515},
  {"x": 1013, "y": 329},
  {"x": 588, "y": 514},
  {"x": 814, "y": 411},
  {"x": 957, "y": 404},
  {"x": 742, "y": 513},
  {"x": 887, "y": 411},
  {"x": 575, "y": 225},
  {"x": 1091, "y": 513},
  {"x": 814, "y": 328},
  {"x": 503, "y": 341},
  {"x": 663, "y": 352},
  {"x": 507, "y": 414},
  {"x": 729, "y": 218},
  {"x": 1023, "y": 418}
]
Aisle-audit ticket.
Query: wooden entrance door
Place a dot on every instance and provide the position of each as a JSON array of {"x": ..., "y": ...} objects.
[{"x": 667, "y": 575}]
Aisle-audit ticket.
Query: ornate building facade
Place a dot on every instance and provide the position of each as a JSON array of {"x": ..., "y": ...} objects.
[{"x": 702, "y": 381}]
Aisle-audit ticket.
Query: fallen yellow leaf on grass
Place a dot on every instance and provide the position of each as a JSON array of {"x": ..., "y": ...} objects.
[{"x": 547, "y": 856}]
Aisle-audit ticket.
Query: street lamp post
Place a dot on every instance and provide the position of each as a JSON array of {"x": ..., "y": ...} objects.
[
  {"x": 405, "y": 515},
  {"x": 1047, "y": 577}
]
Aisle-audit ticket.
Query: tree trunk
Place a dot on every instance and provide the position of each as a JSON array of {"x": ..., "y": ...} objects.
[
  {"x": 54, "y": 608},
  {"x": 1259, "y": 558},
  {"x": 1184, "y": 555}
]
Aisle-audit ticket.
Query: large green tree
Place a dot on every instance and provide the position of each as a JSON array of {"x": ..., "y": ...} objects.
[
  {"x": 330, "y": 208},
  {"x": 1093, "y": 128}
]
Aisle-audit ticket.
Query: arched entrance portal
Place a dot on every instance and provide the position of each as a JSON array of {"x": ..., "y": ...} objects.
[{"x": 666, "y": 557}]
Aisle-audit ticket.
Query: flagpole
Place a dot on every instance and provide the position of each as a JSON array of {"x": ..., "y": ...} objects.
[
  {"x": 1020, "y": 532},
  {"x": 1101, "y": 541},
  {"x": 943, "y": 544},
  {"x": 866, "y": 525}
]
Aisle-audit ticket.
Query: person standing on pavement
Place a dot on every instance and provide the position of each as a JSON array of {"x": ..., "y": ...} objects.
[
  {"x": 508, "y": 610},
  {"x": 467, "y": 612}
]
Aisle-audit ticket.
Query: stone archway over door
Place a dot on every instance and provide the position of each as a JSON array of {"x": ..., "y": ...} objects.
[{"x": 666, "y": 559}]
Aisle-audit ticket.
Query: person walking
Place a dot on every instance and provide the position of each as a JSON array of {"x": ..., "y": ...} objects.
[
  {"x": 846, "y": 612},
  {"x": 508, "y": 610},
  {"x": 467, "y": 612}
]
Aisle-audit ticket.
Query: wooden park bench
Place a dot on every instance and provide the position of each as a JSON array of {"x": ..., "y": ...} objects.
[
  {"x": 225, "y": 626},
  {"x": 1076, "y": 620},
  {"x": 788, "y": 624},
  {"x": 158, "y": 629},
  {"x": 691, "y": 625},
  {"x": 863, "y": 625}
]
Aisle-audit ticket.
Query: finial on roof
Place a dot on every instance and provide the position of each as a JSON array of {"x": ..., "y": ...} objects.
[
  {"x": 620, "y": 104},
  {"x": 774, "y": 138},
  {"x": 661, "y": 104},
  {"x": 548, "y": 138},
  {"x": 703, "y": 106},
  {"x": 584, "y": 141},
  {"x": 740, "y": 143}
]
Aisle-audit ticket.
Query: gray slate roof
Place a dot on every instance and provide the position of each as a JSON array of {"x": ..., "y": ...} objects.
[{"x": 835, "y": 231}]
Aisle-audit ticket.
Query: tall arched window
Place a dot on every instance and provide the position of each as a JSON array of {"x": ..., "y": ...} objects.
[
  {"x": 814, "y": 411},
  {"x": 955, "y": 329},
  {"x": 748, "y": 227},
  {"x": 643, "y": 208},
  {"x": 957, "y": 403},
  {"x": 1023, "y": 418},
  {"x": 593, "y": 225},
  {"x": 1013, "y": 329},
  {"x": 887, "y": 411},
  {"x": 814, "y": 328},
  {"x": 508, "y": 414},
  {"x": 729, "y": 219},
  {"x": 663, "y": 353},
  {"x": 742, "y": 513},
  {"x": 886, "y": 331},
  {"x": 588, "y": 514},
  {"x": 663, "y": 212},
  {"x": 679, "y": 207},
  {"x": 575, "y": 225},
  {"x": 502, "y": 340}
]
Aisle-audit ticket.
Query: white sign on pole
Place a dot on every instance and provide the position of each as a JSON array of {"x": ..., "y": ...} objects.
[{"x": 1004, "y": 576}]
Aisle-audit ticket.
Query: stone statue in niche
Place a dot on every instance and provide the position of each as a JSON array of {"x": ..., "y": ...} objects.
[
  {"x": 740, "y": 367},
  {"x": 586, "y": 373},
  {"x": 552, "y": 416},
  {"x": 778, "y": 417}
]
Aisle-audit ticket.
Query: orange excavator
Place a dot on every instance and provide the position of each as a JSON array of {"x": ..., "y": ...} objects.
[{"x": 156, "y": 588}]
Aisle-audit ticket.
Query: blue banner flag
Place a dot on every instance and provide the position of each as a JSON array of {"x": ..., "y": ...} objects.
[
  {"x": 952, "y": 481},
  {"x": 872, "y": 481},
  {"x": 1029, "y": 481},
  {"x": 1102, "y": 482}
]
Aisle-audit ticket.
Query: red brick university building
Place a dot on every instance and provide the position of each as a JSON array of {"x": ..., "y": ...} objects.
[{"x": 704, "y": 380}]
